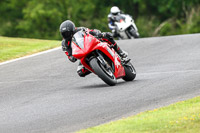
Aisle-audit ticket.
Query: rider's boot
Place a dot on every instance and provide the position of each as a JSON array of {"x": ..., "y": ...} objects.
[
  {"x": 82, "y": 71},
  {"x": 120, "y": 52},
  {"x": 123, "y": 55}
]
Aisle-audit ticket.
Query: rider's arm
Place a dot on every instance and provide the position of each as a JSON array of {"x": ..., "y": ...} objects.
[
  {"x": 66, "y": 47},
  {"x": 111, "y": 24},
  {"x": 95, "y": 32}
]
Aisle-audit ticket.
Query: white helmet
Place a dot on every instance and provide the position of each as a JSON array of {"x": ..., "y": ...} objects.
[{"x": 114, "y": 10}]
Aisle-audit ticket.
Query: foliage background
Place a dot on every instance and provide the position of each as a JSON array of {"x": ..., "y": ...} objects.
[{"x": 42, "y": 18}]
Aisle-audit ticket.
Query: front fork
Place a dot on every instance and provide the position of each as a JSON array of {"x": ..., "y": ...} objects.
[
  {"x": 135, "y": 27},
  {"x": 104, "y": 62}
]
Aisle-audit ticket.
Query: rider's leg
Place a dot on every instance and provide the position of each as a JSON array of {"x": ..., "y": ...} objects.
[
  {"x": 82, "y": 71},
  {"x": 119, "y": 51},
  {"x": 114, "y": 33},
  {"x": 109, "y": 37}
]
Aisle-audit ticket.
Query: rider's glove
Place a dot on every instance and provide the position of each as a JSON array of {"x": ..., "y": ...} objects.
[
  {"x": 107, "y": 35},
  {"x": 100, "y": 35},
  {"x": 72, "y": 59},
  {"x": 64, "y": 47}
]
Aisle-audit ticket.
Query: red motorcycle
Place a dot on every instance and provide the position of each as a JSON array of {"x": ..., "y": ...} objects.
[{"x": 100, "y": 58}]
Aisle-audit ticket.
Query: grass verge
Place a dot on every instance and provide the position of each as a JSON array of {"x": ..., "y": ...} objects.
[
  {"x": 11, "y": 48},
  {"x": 179, "y": 117}
]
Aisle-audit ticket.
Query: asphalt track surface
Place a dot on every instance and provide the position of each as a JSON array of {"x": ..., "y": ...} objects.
[{"x": 44, "y": 94}]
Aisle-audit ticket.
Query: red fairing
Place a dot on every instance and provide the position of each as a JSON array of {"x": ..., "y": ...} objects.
[{"x": 90, "y": 44}]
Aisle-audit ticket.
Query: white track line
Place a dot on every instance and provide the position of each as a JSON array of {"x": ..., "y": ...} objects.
[{"x": 25, "y": 57}]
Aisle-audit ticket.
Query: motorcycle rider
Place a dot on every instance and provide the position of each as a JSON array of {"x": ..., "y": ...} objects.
[
  {"x": 68, "y": 29},
  {"x": 114, "y": 12}
]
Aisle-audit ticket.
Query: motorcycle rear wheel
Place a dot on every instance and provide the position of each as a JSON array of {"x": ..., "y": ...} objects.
[
  {"x": 130, "y": 72},
  {"x": 105, "y": 74}
]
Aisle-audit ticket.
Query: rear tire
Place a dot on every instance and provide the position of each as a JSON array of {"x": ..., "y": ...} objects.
[
  {"x": 130, "y": 72},
  {"x": 106, "y": 75}
]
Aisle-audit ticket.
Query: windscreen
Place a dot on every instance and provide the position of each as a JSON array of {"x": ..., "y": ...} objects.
[
  {"x": 118, "y": 18},
  {"x": 78, "y": 39}
]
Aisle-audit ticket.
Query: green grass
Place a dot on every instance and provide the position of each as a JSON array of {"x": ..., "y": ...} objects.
[
  {"x": 182, "y": 117},
  {"x": 11, "y": 48}
]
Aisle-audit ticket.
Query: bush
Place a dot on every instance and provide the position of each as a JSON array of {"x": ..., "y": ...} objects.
[{"x": 187, "y": 25}]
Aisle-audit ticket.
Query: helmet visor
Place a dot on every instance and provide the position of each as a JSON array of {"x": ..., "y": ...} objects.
[
  {"x": 67, "y": 34},
  {"x": 115, "y": 13}
]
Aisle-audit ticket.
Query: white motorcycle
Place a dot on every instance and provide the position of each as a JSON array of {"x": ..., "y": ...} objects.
[{"x": 126, "y": 28}]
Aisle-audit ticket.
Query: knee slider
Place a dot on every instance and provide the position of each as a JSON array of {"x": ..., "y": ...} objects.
[{"x": 81, "y": 73}]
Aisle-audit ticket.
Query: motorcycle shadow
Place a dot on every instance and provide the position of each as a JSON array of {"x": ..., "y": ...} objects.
[{"x": 103, "y": 85}]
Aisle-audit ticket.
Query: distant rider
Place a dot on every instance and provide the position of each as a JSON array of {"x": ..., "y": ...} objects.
[
  {"x": 114, "y": 12},
  {"x": 68, "y": 29}
]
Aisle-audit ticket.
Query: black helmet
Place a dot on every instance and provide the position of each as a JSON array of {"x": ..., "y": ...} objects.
[{"x": 67, "y": 29}]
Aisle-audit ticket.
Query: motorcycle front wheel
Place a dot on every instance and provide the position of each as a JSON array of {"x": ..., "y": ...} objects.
[
  {"x": 134, "y": 33},
  {"x": 104, "y": 73}
]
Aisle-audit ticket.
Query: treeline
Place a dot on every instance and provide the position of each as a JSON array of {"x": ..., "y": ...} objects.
[{"x": 42, "y": 18}]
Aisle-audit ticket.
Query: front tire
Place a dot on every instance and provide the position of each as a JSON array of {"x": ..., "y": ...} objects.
[
  {"x": 134, "y": 33},
  {"x": 106, "y": 75},
  {"x": 130, "y": 72}
]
